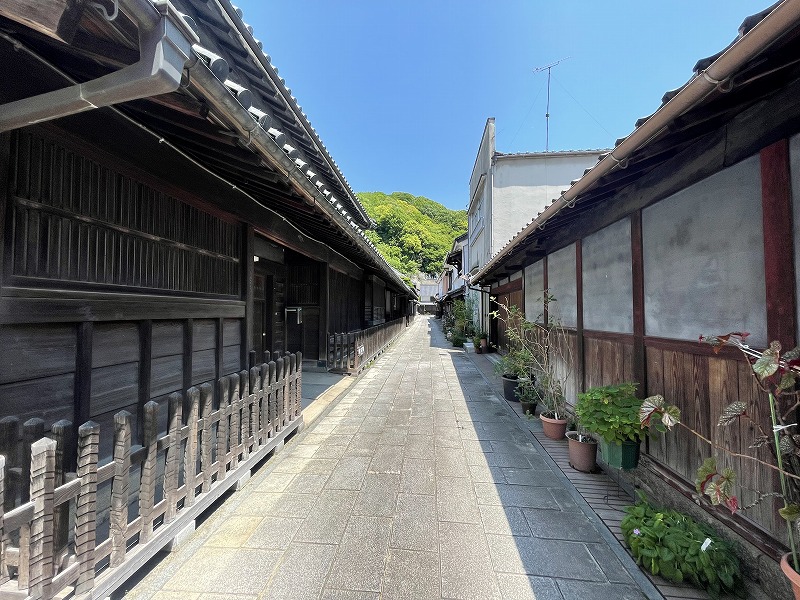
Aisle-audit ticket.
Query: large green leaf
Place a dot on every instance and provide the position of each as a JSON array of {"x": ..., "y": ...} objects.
[{"x": 767, "y": 364}]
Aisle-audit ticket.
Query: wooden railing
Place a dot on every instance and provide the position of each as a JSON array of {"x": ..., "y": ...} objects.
[
  {"x": 49, "y": 543},
  {"x": 351, "y": 352}
]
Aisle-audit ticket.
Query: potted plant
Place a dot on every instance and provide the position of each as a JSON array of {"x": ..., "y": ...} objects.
[
  {"x": 612, "y": 413},
  {"x": 554, "y": 416},
  {"x": 528, "y": 395},
  {"x": 476, "y": 342},
  {"x": 777, "y": 374},
  {"x": 582, "y": 449},
  {"x": 484, "y": 341}
]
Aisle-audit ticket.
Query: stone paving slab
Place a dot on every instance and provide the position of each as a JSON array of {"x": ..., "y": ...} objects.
[{"x": 417, "y": 483}]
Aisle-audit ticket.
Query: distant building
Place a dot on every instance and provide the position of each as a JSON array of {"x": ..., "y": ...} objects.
[{"x": 507, "y": 191}]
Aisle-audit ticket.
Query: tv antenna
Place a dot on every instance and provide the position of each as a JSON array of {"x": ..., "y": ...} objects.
[{"x": 547, "y": 114}]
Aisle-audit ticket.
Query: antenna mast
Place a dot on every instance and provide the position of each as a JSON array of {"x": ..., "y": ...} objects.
[{"x": 547, "y": 114}]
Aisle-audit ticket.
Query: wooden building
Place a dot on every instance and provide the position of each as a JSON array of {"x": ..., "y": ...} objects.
[
  {"x": 168, "y": 211},
  {"x": 688, "y": 227}
]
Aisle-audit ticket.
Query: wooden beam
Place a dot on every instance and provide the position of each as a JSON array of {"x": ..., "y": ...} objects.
[
  {"x": 145, "y": 372},
  {"x": 54, "y": 18},
  {"x": 639, "y": 366},
  {"x": 580, "y": 359},
  {"x": 5, "y": 200},
  {"x": 779, "y": 275},
  {"x": 248, "y": 289},
  {"x": 511, "y": 286}
]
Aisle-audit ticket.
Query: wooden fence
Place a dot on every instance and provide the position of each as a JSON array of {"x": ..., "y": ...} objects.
[
  {"x": 49, "y": 543},
  {"x": 351, "y": 352}
]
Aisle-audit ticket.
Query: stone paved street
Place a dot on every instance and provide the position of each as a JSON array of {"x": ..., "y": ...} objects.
[{"x": 418, "y": 483}]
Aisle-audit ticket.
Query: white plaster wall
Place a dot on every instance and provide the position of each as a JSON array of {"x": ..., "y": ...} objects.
[
  {"x": 561, "y": 284},
  {"x": 607, "y": 280},
  {"x": 703, "y": 255},
  {"x": 534, "y": 290},
  {"x": 523, "y": 186}
]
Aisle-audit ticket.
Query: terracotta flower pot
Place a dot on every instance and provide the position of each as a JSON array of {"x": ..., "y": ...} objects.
[
  {"x": 792, "y": 575},
  {"x": 582, "y": 452},
  {"x": 553, "y": 428}
]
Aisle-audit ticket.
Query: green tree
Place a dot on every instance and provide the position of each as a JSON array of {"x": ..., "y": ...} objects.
[{"x": 413, "y": 233}]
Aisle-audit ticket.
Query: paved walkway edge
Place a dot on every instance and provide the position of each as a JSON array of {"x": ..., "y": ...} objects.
[{"x": 626, "y": 559}]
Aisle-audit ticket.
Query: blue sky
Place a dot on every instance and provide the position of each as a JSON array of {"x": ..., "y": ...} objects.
[{"x": 399, "y": 91}]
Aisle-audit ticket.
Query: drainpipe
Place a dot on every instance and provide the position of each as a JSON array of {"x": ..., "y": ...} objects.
[
  {"x": 768, "y": 30},
  {"x": 165, "y": 45}
]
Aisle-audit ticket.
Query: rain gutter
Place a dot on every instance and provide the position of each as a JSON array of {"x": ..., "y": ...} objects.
[
  {"x": 165, "y": 44},
  {"x": 782, "y": 18}
]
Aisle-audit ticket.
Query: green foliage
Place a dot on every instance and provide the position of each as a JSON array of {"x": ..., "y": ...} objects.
[
  {"x": 678, "y": 548},
  {"x": 459, "y": 339},
  {"x": 611, "y": 411},
  {"x": 413, "y": 233}
]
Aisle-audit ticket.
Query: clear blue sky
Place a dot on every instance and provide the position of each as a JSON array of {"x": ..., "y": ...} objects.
[{"x": 399, "y": 91}]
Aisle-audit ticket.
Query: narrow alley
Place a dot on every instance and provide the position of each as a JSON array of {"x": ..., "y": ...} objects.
[{"x": 418, "y": 483}]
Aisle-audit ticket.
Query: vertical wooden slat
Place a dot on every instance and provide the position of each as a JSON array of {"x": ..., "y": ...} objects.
[
  {"x": 9, "y": 440},
  {"x": 147, "y": 488},
  {"x": 119, "y": 487},
  {"x": 265, "y": 424},
  {"x": 4, "y": 573},
  {"x": 43, "y": 471},
  {"x": 638, "y": 366},
  {"x": 236, "y": 413},
  {"x": 190, "y": 457},
  {"x": 272, "y": 399},
  {"x": 279, "y": 366},
  {"x": 62, "y": 434},
  {"x": 173, "y": 456},
  {"x": 244, "y": 387},
  {"x": 248, "y": 290},
  {"x": 290, "y": 387},
  {"x": 222, "y": 427},
  {"x": 32, "y": 430},
  {"x": 579, "y": 360},
  {"x": 255, "y": 406},
  {"x": 83, "y": 372},
  {"x": 220, "y": 370},
  {"x": 86, "y": 506},
  {"x": 207, "y": 440},
  {"x": 145, "y": 371},
  {"x": 299, "y": 386}
]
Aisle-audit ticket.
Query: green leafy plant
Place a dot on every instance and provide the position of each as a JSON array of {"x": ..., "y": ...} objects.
[
  {"x": 458, "y": 339},
  {"x": 539, "y": 350},
  {"x": 673, "y": 545},
  {"x": 615, "y": 414},
  {"x": 777, "y": 374}
]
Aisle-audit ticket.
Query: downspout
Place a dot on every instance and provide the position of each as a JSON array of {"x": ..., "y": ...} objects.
[
  {"x": 165, "y": 44},
  {"x": 779, "y": 21}
]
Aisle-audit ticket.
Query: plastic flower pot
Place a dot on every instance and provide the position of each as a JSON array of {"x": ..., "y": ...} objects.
[
  {"x": 553, "y": 428},
  {"x": 510, "y": 383},
  {"x": 582, "y": 452},
  {"x": 625, "y": 455}
]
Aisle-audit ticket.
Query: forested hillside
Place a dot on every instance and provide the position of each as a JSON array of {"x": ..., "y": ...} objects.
[{"x": 414, "y": 233}]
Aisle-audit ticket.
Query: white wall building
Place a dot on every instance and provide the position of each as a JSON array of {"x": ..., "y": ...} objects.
[{"x": 507, "y": 191}]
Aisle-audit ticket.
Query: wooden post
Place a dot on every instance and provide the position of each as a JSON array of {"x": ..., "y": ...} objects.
[
  {"x": 639, "y": 364},
  {"x": 207, "y": 440},
  {"x": 9, "y": 440},
  {"x": 291, "y": 387},
  {"x": 222, "y": 428},
  {"x": 119, "y": 487},
  {"x": 244, "y": 387},
  {"x": 173, "y": 456},
  {"x": 279, "y": 394},
  {"x": 86, "y": 506},
  {"x": 4, "y": 574},
  {"x": 62, "y": 434},
  {"x": 272, "y": 402},
  {"x": 190, "y": 457},
  {"x": 265, "y": 425},
  {"x": 32, "y": 430},
  {"x": 83, "y": 371},
  {"x": 256, "y": 394},
  {"x": 236, "y": 414},
  {"x": 43, "y": 473},
  {"x": 286, "y": 390},
  {"x": 145, "y": 372},
  {"x": 299, "y": 386},
  {"x": 147, "y": 488},
  {"x": 248, "y": 291}
]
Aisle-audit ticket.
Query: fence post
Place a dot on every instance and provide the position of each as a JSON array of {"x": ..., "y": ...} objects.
[
  {"x": 147, "y": 488},
  {"x": 256, "y": 394},
  {"x": 32, "y": 430},
  {"x": 222, "y": 428},
  {"x": 244, "y": 389},
  {"x": 9, "y": 440},
  {"x": 173, "y": 455},
  {"x": 291, "y": 387},
  {"x": 4, "y": 574},
  {"x": 286, "y": 391},
  {"x": 298, "y": 386},
  {"x": 62, "y": 434},
  {"x": 236, "y": 415},
  {"x": 190, "y": 457},
  {"x": 120, "y": 487},
  {"x": 43, "y": 474},
  {"x": 272, "y": 399},
  {"x": 265, "y": 425},
  {"x": 207, "y": 441},
  {"x": 279, "y": 394},
  {"x": 86, "y": 506}
]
